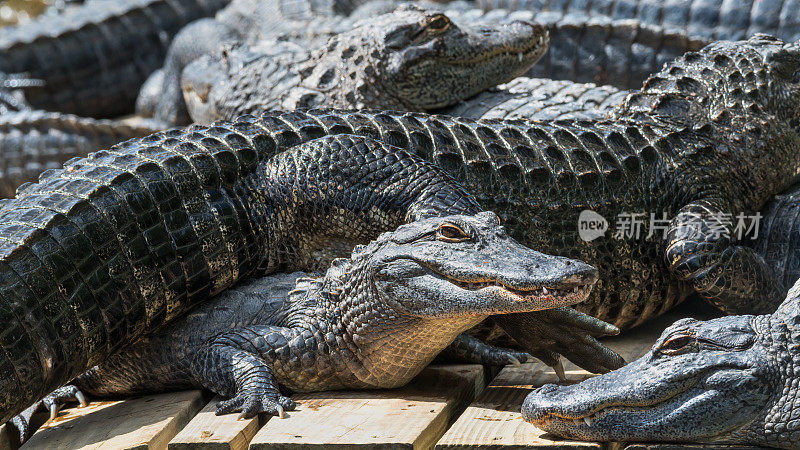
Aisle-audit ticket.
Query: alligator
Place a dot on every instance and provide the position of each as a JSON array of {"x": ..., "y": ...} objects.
[
  {"x": 94, "y": 58},
  {"x": 731, "y": 380},
  {"x": 34, "y": 141},
  {"x": 419, "y": 287},
  {"x": 668, "y": 149},
  {"x": 117, "y": 244},
  {"x": 622, "y": 42},
  {"x": 540, "y": 99},
  {"x": 409, "y": 60}
]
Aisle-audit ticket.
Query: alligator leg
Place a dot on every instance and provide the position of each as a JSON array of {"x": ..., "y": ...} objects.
[
  {"x": 563, "y": 331},
  {"x": 240, "y": 364},
  {"x": 470, "y": 349},
  {"x": 734, "y": 278}
]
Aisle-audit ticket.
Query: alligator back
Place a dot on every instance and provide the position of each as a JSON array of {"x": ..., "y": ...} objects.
[
  {"x": 709, "y": 19},
  {"x": 541, "y": 99},
  {"x": 34, "y": 141},
  {"x": 94, "y": 58}
]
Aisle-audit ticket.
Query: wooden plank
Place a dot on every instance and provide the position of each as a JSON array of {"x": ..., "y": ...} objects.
[
  {"x": 137, "y": 423},
  {"x": 493, "y": 420},
  {"x": 414, "y": 416},
  {"x": 209, "y": 431}
]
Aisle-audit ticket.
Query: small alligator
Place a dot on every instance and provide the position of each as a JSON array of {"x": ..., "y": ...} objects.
[
  {"x": 731, "y": 380},
  {"x": 417, "y": 288},
  {"x": 408, "y": 60},
  {"x": 34, "y": 141},
  {"x": 621, "y": 42},
  {"x": 94, "y": 58}
]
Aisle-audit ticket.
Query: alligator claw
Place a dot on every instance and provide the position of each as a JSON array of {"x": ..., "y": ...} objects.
[
  {"x": 50, "y": 403},
  {"x": 563, "y": 331},
  {"x": 249, "y": 404}
]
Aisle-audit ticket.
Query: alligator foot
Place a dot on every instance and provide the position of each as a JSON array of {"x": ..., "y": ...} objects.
[
  {"x": 563, "y": 331},
  {"x": 51, "y": 403},
  {"x": 250, "y": 403},
  {"x": 469, "y": 349},
  {"x": 700, "y": 249}
]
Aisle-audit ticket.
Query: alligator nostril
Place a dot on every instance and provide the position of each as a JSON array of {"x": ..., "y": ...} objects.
[{"x": 568, "y": 263}]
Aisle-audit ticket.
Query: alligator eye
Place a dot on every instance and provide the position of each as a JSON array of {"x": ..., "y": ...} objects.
[
  {"x": 448, "y": 232},
  {"x": 438, "y": 24},
  {"x": 677, "y": 344}
]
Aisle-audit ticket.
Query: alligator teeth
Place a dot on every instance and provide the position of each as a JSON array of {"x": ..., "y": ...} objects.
[
  {"x": 575, "y": 291},
  {"x": 519, "y": 56},
  {"x": 545, "y": 291},
  {"x": 587, "y": 421}
]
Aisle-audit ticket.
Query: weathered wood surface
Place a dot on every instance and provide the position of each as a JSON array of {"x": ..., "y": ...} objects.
[
  {"x": 209, "y": 431},
  {"x": 446, "y": 406},
  {"x": 141, "y": 423},
  {"x": 414, "y": 416},
  {"x": 493, "y": 420}
]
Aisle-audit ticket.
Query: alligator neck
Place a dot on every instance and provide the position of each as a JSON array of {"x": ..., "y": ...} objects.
[{"x": 391, "y": 347}]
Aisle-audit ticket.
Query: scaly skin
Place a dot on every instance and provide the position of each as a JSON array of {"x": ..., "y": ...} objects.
[
  {"x": 621, "y": 42},
  {"x": 589, "y": 47},
  {"x": 408, "y": 60},
  {"x": 128, "y": 39},
  {"x": 669, "y": 149},
  {"x": 382, "y": 317},
  {"x": 731, "y": 380},
  {"x": 708, "y": 19},
  {"x": 117, "y": 244},
  {"x": 540, "y": 99},
  {"x": 34, "y": 141}
]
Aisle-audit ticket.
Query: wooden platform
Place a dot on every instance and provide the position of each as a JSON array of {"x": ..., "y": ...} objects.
[{"x": 445, "y": 407}]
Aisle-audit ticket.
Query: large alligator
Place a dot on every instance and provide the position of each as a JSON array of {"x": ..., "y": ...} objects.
[
  {"x": 731, "y": 380},
  {"x": 408, "y": 60},
  {"x": 94, "y": 58},
  {"x": 374, "y": 320},
  {"x": 34, "y": 141},
  {"x": 669, "y": 149},
  {"x": 111, "y": 247},
  {"x": 620, "y": 42}
]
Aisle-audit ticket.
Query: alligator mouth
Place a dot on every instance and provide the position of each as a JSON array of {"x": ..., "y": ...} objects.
[
  {"x": 520, "y": 54},
  {"x": 577, "y": 421},
  {"x": 574, "y": 293}
]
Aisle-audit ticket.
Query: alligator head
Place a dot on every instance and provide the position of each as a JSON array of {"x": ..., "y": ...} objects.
[
  {"x": 727, "y": 380},
  {"x": 426, "y": 61},
  {"x": 415, "y": 289},
  {"x": 410, "y": 59}
]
